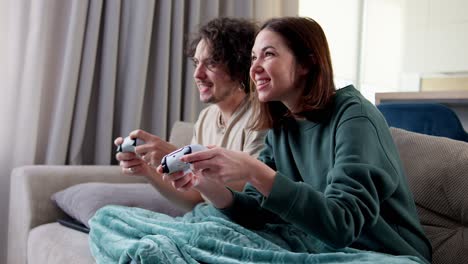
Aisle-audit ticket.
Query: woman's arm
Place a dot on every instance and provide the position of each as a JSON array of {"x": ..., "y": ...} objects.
[
  {"x": 224, "y": 166},
  {"x": 361, "y": 177}
]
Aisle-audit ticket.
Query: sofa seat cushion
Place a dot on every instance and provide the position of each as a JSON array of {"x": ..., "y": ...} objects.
[
  {"x": 437, "y": 171},
  {"x": 53, "y": 243}
]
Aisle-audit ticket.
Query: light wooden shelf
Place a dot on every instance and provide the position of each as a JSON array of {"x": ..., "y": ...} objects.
[{"x": 436, "y": 96}]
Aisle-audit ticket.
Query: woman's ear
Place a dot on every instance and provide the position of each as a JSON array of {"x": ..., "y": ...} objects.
[{"x": 305, "y": 68}]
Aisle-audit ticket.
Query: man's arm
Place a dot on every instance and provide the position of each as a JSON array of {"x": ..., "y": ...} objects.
[{"x": 143, "y": 163}]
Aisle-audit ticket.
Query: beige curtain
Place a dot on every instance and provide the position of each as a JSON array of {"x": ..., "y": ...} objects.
[{"x": 80, "y": 73}]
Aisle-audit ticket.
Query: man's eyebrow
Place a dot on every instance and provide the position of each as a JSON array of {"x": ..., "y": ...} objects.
[{"x": 204, "y": 60}]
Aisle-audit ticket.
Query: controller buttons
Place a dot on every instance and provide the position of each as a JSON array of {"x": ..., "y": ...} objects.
[{"x": 187, "y": 150}]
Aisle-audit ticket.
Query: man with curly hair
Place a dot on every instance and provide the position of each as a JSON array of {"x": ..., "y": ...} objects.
[{"x": 220, "y": 52}]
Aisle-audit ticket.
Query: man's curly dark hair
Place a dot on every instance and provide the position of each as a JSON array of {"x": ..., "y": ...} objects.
[{"x": 231, "y": 40}]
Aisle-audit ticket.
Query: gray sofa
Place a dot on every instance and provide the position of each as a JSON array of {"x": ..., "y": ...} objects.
[{"x": 437, "y": 171}]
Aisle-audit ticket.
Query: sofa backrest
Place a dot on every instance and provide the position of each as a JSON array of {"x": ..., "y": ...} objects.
[
  {"x": 181, "y": 133},
  {"x": 437, "y": 172}
]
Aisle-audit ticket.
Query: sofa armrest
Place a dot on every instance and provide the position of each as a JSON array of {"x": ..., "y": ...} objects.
[{"x": 31, "y": 189}]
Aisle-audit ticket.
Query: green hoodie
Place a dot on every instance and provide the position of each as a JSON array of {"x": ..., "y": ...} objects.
[{"x": 340, "y": 180}]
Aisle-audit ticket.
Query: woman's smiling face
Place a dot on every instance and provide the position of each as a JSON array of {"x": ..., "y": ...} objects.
[{"x": 274, "y": 70}]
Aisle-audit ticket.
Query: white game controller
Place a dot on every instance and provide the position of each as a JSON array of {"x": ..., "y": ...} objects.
[
  {"x": 129, "y": 144},
  {"x": 171, "y": 162}
]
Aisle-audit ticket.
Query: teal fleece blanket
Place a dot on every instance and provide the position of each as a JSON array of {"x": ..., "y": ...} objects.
[{"x": 205, "y": 235}]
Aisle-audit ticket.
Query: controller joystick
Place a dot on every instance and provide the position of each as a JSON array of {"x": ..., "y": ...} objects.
[
  {"x": 171, "y": 162},
  {"x": 129, "y": 144}
]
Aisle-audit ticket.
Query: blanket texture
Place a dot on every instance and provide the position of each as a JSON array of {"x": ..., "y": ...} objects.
[{"x": 205, "y": 235}]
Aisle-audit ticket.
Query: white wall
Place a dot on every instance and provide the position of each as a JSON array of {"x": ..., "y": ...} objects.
[
  {"x": 386, "y": 45},
  {"x": 342, "y": 28},
  {"x": 382, "y": 46},
  {"x": 365, "y": 40},
  {"x": 436, "y": 36}
]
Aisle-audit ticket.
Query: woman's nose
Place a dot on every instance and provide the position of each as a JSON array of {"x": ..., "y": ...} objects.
[{"x": 256, "y": 67}]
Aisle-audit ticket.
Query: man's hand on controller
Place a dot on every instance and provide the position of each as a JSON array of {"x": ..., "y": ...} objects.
[
  {"x": 154, "y": 148},
  {"x": 145, "y": 157},
  {"x": 130, "y": 162}
]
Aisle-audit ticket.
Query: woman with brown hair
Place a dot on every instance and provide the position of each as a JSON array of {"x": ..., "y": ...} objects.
[{"x": 330, "y": 166}]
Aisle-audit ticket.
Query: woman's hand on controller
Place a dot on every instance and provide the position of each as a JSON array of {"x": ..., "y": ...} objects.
[
  {"x": 224, "y": 166},
  {"x": 181, "y": 181},
  {"x": 184, "y": 181}
]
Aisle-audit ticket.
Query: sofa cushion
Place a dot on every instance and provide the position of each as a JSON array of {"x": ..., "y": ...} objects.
[
  {"x": 437, "y": 171},
  {"x": 81, "y": 201},
  {"x": 53, "y": 244}
]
